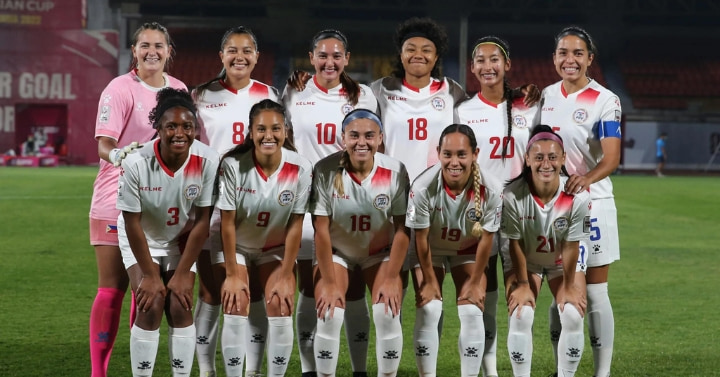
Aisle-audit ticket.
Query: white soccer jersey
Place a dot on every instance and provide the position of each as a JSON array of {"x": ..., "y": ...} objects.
[
  {"x": 414, "y": 118},
  {"x": 223, "y": 112},
  {"x": 541, "y": 228},
  {"x": 450, "y": 217},
  {"x": 263, "y": 204},
  {"x": 489, "y": 123},
  {"x": 361, "y": 218},
  {"x": 164, "y": 197},
  {"x": 316, "y": 115},
  {"x": 576, "y": 117}
]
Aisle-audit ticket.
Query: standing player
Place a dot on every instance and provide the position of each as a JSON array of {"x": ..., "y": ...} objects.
[
  {"x": 165, "y": 193},
  {"x": 501, "y": 125},
  {"x": 587, "y": 116},
  {"x": 223, "y": 107},
  {"x": 122, "y": 124},
  {"x": 358, "y": 205},
  {"x": 455, "y": 217},
  {"x": 316, "y": 113},
  {"x": 264, "y": 187},
  {"x": 660, "y": 154},
  {"x": 545, "y": 226},
  {"x": 417, "y": 102}
]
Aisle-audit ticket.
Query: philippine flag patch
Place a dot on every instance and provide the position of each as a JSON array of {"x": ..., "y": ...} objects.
[{"x": 111, "y": 229}]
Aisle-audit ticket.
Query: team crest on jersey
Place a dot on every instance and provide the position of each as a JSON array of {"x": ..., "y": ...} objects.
[
  {"x": 192, "y": 192},
  {"x": 519, "y": 121},
  {"x": 438, "y": 103},
  {"x": 561, "y": 223},
  {"x": 346, "y": 108},
  {"x": 472, "y": 215},
  {"x": 286, "y": 197},
  {"x": 381, "y": 201},
  {"x": 580, "y": 116}
]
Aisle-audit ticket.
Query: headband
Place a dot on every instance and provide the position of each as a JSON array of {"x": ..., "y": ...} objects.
[
  {"x": 361, "y": 114},
  {"x": 544, "y": 136},
  {"x": 414, "y": 34},
  {"x": 491, "y": 43}
]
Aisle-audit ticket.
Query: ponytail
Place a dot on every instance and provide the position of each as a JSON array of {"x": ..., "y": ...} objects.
[
  {"x": 351, "y": 87},
  {"x": 343, "y": 165}
]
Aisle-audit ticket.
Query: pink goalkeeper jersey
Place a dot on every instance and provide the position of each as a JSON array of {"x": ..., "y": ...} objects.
[
  {"x": 542, "y": 227},
  {"x": 490, "y": 125},
  {"x": 123, "y": 112},
  {"x": 164, "y": 197},
  {"x": 263, "y": 204},
  {"x": 223, "y": 112}
]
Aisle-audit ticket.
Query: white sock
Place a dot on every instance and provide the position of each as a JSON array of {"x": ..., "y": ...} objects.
[
  {"x": 389, "y": 341},
  {"x": 255, "y": 341},
  {"x": 233, "y": 336},
  {"x": 471, "y": 341},
  {"x": 572, "y": 341},
  {"x": 207, "y": 318},
  {"x": 489, "y": 359},
  {"x": 519, "y": 341},
  {"x": 181, "y": 347},
  {"x": 601, "y": 326},
  {"x": 555, "y": 327},
  {"x": 327, "y": 342},
  {"x": 357, "y": 329},
  {"x": 426, "y": 336},
  {"x": 279, "y": 345},
  {"x": 305, "y": 322},
  {"x": 143, "y": 349}
]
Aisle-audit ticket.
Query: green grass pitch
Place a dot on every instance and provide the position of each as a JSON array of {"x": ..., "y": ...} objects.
[{"x": 662, "y": 290}]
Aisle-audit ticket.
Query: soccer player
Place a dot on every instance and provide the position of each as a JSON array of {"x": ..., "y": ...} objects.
[
  {"x": 122, "y": 125},
  {"x": 223, "y": 107},
  {"x": 545, "y": 226},
  {"x": 316, "y": 113},
  {"x": 501, "y": 124},
  {"x": 455, "y": 217},
  {"x": 587, "y": 117},
  {"x": 264, "y": 186},
  {"x": 165, "y": 193},
  {"x": 358, "y": 205}
]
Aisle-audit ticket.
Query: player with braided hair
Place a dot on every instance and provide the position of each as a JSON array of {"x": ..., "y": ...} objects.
[
  {"x": 455, "y": 216},
  {"x": 358, "y": 205},
  {"x": 122, "y": 125},
  {"x": 545, "y": 226},
  {"x": 165, "y": 193},
  {"x": 501, "y": 124}
]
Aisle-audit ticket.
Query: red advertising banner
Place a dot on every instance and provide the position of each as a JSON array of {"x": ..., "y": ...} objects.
[
  {"x": 50, "y": 84},
  {"x": 43, "y": 14}
]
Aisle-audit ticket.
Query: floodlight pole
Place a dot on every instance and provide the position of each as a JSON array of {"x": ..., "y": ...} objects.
[{"x": 462, "y": 57}]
